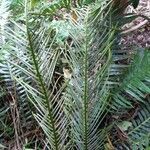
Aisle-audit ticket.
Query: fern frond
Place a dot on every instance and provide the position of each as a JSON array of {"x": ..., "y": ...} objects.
[
  {"x": 139, "y": 134},
  {"x": 87, "y": 95},
  {"x": 37, "y": 62},
  {"x": 135, "y": 85}
]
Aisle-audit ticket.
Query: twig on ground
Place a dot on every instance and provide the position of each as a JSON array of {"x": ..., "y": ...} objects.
[{"x": 135, "y": 27}]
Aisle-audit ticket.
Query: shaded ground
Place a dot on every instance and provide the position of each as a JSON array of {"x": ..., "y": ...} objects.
[{"x": 138, "y": 32}]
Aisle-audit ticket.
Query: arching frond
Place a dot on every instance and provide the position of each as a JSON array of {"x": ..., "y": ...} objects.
[{"x": 32, "y": 65}]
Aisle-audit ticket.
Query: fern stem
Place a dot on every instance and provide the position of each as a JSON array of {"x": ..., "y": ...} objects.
[
  {"x": 86, "y": 93},
  {"x": 44, "y": 90}
]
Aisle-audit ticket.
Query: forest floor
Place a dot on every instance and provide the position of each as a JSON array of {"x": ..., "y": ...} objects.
[{"x": 138, "y": 32}]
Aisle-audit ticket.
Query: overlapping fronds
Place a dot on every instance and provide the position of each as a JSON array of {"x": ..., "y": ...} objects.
[
  {"x": 13, "y": 50},
  {"x": 33, "y": 61},
  {"x": 139, "y": 135},
  {"x": 56, "y": 6},
  {"x": 52, "y": 7},
  {"x": 85, "y": 87},
  {"x": 135, "y": 83},
  {"x": 73, "y": 85}
]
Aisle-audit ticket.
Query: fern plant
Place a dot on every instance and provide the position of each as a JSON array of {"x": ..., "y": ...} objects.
[{"x": 76, "y": 85}]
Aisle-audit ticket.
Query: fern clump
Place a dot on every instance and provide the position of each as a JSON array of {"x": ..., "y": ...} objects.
[{"x": 63, "y": 67}]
